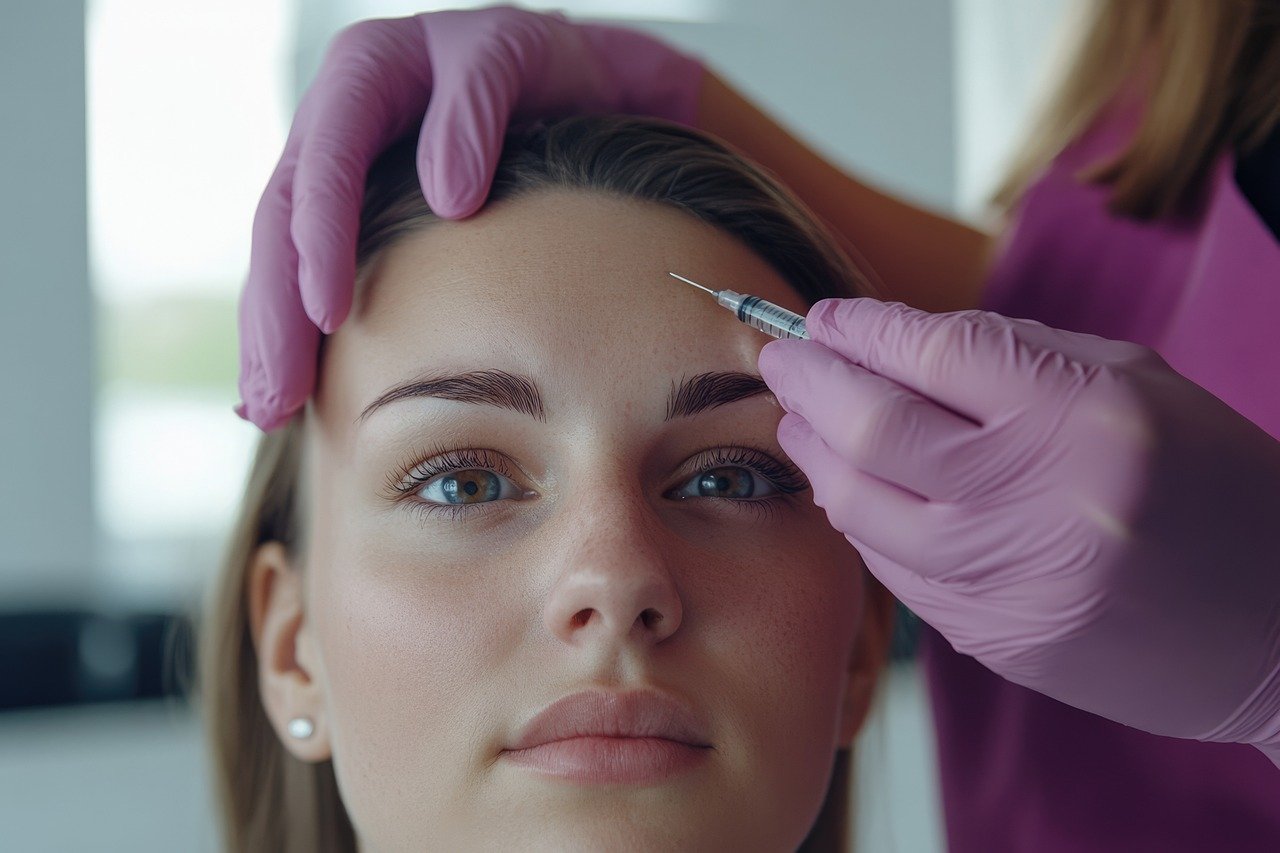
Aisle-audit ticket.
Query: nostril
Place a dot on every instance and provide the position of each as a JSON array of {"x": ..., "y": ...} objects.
[
  {"x": 581, "y": 618},
  {"x": 650, "y": 618}
]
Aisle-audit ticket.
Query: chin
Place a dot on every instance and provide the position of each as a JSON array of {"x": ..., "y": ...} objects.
[{"x": 653, "y": 825}]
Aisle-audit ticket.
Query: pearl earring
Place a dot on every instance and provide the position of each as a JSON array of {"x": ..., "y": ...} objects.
[{"x": 301, "y": 728}]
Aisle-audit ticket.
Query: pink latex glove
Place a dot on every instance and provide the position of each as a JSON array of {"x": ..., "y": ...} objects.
[
  {"x": 463, "y": 75},
  {"x": 1064, "y": 508}
]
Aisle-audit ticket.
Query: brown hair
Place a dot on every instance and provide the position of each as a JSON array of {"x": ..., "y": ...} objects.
[
  {"x": 1208, "y": 72},
  {"x": 271, "y": 801}
]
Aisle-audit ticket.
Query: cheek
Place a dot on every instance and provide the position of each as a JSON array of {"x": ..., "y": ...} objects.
[
  {"x": 785, "y": 637},
  {"x": 408, "y": 655},
  {"x": 795, "y": 613},
  {"x": 380, "y": 621},
  {"x": 798, "y": 586},
  {"x": 396, "y": 616},
  {"x": 776, "y": 610}
]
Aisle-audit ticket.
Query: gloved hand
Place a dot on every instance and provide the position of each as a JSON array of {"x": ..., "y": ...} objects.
[
  {"x": 1064, "y": 508},
  {"x": 470, "y": 73}
]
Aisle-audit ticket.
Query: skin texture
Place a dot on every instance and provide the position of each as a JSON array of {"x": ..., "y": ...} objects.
[{"x": 421, "y": 644}]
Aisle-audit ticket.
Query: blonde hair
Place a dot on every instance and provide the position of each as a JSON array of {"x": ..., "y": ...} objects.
[
  {"x": 271, "y": 801},
  {"x": 1208, "y": 72}
]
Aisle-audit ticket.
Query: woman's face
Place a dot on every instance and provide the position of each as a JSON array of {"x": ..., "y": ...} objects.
[{"x": 610, "y": 512}]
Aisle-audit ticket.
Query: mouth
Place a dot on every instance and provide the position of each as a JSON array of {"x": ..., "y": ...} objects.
[{"x": 598, "y": 737}]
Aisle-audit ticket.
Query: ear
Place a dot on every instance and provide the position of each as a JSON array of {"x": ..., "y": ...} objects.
[
  {"x": 289, "y": 673},
  {"x": 867, "y": 661}
]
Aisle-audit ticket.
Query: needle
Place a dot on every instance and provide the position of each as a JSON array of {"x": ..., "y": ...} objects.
[
  {"x": 756, "y": 312},
  {"x": 694, "y": 283}
]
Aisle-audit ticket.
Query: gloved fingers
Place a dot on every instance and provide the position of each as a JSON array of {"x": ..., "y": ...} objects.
[
  {"x": 873, "y": 423},
  {"x": 460, "y": 144},
  {"x": 859, "y": 505},
  {"x": 1078, "y": 346},
  {"x": 972, "y": 362},
  {"x": 327, "y": 192},
  {"x": 924, "y": 597},
  {"x": 477, "y": 87},
  {"x": 374, "y": 84},
  {"x": 278, "y": 341}
]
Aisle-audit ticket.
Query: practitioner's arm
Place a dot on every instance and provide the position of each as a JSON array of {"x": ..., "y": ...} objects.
[{"x": 926, "y": 260}]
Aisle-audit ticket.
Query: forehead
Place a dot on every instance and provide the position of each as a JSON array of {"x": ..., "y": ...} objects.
[{"x": 570, "y": 288}]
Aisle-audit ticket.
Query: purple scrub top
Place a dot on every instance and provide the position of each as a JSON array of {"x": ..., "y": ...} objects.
[{"x": 1020, "y": 771}]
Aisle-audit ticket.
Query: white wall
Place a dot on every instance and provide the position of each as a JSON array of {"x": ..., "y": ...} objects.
[
  {"x": 47, "y": 530},
  {"x": 1003, "y": 50},
  {"x": 866, "y": 81}
]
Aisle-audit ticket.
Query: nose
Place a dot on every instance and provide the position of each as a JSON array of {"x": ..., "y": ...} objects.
[{"x": 615, "y": 583}]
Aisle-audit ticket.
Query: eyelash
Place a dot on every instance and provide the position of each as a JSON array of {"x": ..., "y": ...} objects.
[
  {"x": 413, "y": 475},
  {"x": 786, "y": 478}
]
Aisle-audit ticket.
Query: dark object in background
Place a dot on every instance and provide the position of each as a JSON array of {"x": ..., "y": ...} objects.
[
  {"x": 906, "y": 633},
  {"x": 1258, "y": 176},
  {"x": 70, "y": 657}
]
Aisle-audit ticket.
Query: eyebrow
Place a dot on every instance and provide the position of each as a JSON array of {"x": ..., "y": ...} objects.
[
  {"x": 518, "y": 393},
  {"x": 489, "y": 387},
  {"x": 710, "y": 390}
]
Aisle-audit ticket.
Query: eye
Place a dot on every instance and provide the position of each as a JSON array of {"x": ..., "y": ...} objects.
[
  {"x": 468, "y": 486},
  {"x": 745, "y": 475},
  {"x": 728, "y": 481},
  {"x": 454, "y": 482}
]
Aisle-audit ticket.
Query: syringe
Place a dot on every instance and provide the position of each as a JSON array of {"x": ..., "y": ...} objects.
[{"x": 756, "y": 312}]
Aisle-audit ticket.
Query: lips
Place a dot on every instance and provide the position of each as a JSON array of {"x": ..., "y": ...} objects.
[
  {"x": 603, "y": 714},
  {"x": 602, "y": 738}
]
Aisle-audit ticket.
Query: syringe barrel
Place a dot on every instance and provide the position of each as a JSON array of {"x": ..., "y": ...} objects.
[{"x": 771, "y": 319}]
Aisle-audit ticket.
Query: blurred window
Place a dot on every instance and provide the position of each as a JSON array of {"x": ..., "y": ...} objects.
[{"x": 188, "y": 105}]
